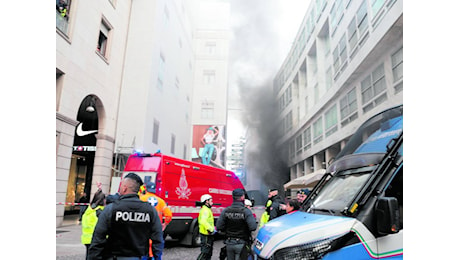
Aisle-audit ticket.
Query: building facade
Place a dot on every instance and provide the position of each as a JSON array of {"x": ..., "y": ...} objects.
[
  {"x": 209, "y": 110},
  {"x": 90, "y": 47},
  {"x": 346, "y": 64},
  {"x": 125, "y": 79}
]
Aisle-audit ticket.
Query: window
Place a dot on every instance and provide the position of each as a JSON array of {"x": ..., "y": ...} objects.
[
  {"x": 173, "y": 143},
  {"x": 298, "y": 144},
  {"x": 166, "y": 16},
  {"x": 102, "y": 42},
  {"x": 397, "y": 68},
  {"x": 331, "y": 120},
  {"x": 63, "y": 15},
  {"x": 329, "y": 78},
  {"x": 207, "y": 110},
  {"x": 397, "y": 65},
  {"x": 306, "y": 105},
  {"x": 59, "y": 83},
  {"x": 288, "y": 121},
  {"x": 161, "y": 71},
  {"x": 339, "y": 55},
  {"x": 348, "y": 107},
  {"x": 336, "y": 14},
  {"x": 156, "y": 131},
  {"x": 209, "y": 77},
  {"x": 177, "y": 83},
  {"x": 210, "y": 47},
  {"x": 316, "y": 93},
  {"x": 376, "y": 6},
  {"x": 291, "y": 149},
  {"x": 373, "y": 89},
  {"x": 318, "y": 130},
  {"x": 357, "y": 29},
  {"x": 307, "y": 139}
]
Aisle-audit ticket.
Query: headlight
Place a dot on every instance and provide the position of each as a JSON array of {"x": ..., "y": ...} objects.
[{"x": 310, "y": 251}]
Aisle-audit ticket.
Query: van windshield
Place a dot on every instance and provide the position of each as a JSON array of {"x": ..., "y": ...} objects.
[{"x": 340, "y": 190}]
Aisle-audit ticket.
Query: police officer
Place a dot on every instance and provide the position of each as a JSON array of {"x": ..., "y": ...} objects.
[
  {"x": 237, "y": 222},
  {"x": 277, "y": 208},
  {"x": 126, "y": 225}
]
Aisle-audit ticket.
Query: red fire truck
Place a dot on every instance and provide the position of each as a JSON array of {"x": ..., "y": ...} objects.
[{"x": 181, "y": 183}]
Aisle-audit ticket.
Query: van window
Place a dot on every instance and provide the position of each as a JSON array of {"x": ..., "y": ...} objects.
[
  {"x": 338, "y": 193},
  {"x": 145, "y": 176},
  {"x": 395, "y": 189}
]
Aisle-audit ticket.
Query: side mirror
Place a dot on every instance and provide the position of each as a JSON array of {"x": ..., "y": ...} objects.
[{"x": 387, "y": 214}]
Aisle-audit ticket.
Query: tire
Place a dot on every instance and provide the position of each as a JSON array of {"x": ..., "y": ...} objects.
[{"x": 196, "y": 239}]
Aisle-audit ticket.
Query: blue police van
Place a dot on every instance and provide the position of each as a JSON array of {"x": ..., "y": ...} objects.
[{"x": 355, "y": 211}]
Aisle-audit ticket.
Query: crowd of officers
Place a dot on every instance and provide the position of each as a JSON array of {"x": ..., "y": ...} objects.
[
  {"x": 238, "y": 222},
  {"x": 123, "y": 227}
]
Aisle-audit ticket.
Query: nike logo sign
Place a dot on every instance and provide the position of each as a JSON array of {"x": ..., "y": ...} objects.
[{"x": 81, "y": 132}]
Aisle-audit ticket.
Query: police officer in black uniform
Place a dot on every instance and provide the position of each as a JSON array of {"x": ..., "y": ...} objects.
[
  {"x": 237, "y": 222},
  {"x": 125, "y": 226},
  {"x": 277, "y": 208}
]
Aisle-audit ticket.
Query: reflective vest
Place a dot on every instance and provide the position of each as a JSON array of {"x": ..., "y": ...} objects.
[
  {"x": 265, "y": 216},
  {"x": 206, "y": 220},
  {"x": 164, "y": 212},
  {"x": 88, "y": 223}
]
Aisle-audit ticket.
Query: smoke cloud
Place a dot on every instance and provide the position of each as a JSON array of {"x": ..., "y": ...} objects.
[
  {"x": 263, "y": 159},
  {"x": 261, "y": 35}
]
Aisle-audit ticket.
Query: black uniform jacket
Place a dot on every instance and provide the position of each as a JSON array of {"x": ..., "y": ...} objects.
[{"x": 124, "y": 229}]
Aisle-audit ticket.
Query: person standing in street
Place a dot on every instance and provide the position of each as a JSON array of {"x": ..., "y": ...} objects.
[
  {"x": 83, "y": 199},
  {"x": 206, "y": 227},
  {"x": 126, "y": 225},
  {"x": 164, "y": 212},
  {"x": 277, "y": 208},
  {"x": 237, "y": 222},
  {"x": 90, "y": 217}
]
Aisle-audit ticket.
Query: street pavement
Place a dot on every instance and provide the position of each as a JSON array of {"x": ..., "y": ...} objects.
[
  {"x": 68, "y": 243},
  {"x": 69, "y": 246}
]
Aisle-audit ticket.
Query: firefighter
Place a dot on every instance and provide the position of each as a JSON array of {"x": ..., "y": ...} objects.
[
  {"x": 164, "y": 212},
  {"x": 206, "y": 227}
]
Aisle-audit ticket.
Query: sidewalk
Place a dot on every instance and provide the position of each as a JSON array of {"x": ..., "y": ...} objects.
[{"x": 68, "y": 245}]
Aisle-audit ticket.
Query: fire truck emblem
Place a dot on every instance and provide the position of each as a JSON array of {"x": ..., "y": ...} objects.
[{"x": 183, "y": 191}]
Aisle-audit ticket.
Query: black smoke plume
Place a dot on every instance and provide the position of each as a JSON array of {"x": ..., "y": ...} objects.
[{"x": 263, "y": 158}]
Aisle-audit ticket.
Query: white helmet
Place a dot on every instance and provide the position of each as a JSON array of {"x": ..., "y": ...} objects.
[
  {"x": 247, "y": 203},
  {"x": 205, "y": 197}
]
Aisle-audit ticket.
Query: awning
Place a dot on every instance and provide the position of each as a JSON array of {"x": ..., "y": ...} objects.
[{"x": 307, "y": 181}]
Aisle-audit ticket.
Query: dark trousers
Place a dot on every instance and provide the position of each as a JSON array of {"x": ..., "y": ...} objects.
[
  {"x": 207, "y": 243},
  {"x": 234, "y": 248}
]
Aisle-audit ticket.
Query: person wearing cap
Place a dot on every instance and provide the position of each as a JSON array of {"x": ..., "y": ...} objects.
[
  {"x": 302, "y": 195},
  {"x": 206, "y": 227},
  {"x": 126, "y": 225},
  {"x": 237, "y": 222},
  {"x": 277, "y": 208},
  {"x": 164, "y": 212}
]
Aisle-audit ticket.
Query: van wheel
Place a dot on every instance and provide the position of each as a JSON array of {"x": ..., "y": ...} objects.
[{"x": 196, "y": 239}]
